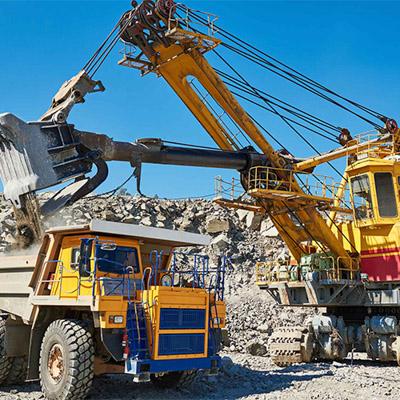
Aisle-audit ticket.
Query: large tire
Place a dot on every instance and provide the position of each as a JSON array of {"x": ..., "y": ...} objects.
[
  {"x": 174, "y": 380},
  {"x": 66, "y": 360},
  {"x": 18, "y": 371},
  {"x": 5, "y": 362}
]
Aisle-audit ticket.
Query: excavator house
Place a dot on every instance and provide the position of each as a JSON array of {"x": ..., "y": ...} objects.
[{"x": 343, "y": 237}]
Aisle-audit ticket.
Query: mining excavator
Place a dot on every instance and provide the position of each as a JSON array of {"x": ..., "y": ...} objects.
[{"x": 343, "y": 237}]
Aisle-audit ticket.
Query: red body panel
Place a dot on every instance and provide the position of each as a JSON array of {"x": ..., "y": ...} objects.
[{"x": 381, "y": 266}]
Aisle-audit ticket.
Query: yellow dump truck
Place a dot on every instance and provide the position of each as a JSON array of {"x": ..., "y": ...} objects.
[{"x": 110, "y": 298}]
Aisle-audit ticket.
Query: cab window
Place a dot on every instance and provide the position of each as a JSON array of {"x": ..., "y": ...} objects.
[
  {"x": 361, "y": 190},
  {"x": 117, "y": 259},
  {"x": 75, "y": 255},
  {"x": 385, "y": 194}
]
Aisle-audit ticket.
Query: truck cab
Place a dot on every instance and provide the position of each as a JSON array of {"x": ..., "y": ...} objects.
[{"x": 145, "y": 305}]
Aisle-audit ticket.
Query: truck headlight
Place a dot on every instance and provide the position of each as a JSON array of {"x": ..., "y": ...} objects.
[
  {"x": 116, "y": 319},
  {"x": 166, "y": 280}
]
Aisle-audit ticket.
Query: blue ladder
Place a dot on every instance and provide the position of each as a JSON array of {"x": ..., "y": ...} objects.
[{"x": 137, "y": 331}]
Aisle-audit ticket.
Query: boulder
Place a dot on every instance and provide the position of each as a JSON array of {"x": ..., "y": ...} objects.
[
  {"x": 217, "y": 225},
  {"x": 256, "y": 349},
  {"x": 253, "y": 220},
  {"x": 221, "y": 242}
]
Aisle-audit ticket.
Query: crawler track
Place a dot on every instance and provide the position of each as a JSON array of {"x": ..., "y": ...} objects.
[{"x": 290, "y": 345}]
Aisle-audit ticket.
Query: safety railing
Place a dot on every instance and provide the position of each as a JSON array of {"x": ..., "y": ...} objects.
[
  {"x": 372, "y": 144},
  {"x": 64, "y": 274},
  {"x": 285, "y": 180},
  {"x": 186, "y": 22},
  {"x": 268, "y": 272},
  {"x": 227, "y": 189},
  {"x": 329, "y": 268},
  {"x": 341, "y": 268},
  {"x": 193, "y": 271}
]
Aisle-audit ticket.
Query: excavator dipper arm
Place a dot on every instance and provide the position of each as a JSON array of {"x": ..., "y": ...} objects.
[{"x": 35, "y": 156}]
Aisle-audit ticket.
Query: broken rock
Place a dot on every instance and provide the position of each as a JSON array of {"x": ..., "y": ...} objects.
[
  {"x": 221, "y": 242},
  {"x": 217, "y": 225},
  {"x": 253, "y": 220},
  {"x": 256, "y": 349}
]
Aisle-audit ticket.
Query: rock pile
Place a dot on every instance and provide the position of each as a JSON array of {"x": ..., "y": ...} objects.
[{"x": 241, "y": 235}]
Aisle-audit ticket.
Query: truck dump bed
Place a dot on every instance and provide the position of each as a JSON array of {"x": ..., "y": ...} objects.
[{"x": 15, "y": 275}]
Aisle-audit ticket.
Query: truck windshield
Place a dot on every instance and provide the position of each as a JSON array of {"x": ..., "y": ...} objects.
[
  {"x": 117, "y": 260},
  {"x": 361, "y": 191},
  {"x": 385, "y": 194}
]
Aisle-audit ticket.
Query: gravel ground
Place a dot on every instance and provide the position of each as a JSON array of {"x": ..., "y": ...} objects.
[{"x": 249, "y": 377}]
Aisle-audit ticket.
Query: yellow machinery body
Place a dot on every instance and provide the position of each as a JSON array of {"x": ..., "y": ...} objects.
[{"x": 154, "y": 311}]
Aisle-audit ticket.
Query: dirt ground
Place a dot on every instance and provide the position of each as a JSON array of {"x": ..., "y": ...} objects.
[{"x": 248, "y": 377}]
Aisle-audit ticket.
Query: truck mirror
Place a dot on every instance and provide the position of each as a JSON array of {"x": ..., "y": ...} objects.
[{"x": 85, "y": 256}]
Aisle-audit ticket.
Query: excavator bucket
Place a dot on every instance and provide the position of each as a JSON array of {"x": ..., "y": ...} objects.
[{"x": 35, "y": 156}]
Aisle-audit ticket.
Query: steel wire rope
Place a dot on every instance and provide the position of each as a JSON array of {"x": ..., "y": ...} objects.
[
  {"x": 97, "y": 52},
  {"x": 219, "y": 119},
  {"x": 288, "y": 118},
  {"x": 299, "y": 76},
  {"x": 273, "y": 108},
  {"x": 101, "y": 54},
  {"x": 295, "y": 80},
  {"x": 232, "y": 81},
  {"x": 336, "y": 128},
  {"x": 304, "y": 86}
]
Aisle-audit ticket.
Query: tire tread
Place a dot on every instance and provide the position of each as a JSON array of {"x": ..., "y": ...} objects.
[{"x": 81, "y": 353}]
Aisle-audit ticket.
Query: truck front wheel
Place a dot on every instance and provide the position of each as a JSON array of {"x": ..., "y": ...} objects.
[{"x": 66, "y": 360}]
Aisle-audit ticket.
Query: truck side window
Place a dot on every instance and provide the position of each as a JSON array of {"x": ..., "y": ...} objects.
[
  {"x": 75, "y": 255},
  {"x": 385, "y": 194},
  {"x": 361, "y": 190}
]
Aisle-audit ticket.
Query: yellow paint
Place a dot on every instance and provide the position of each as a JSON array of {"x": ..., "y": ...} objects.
[
  {"x": 158, "y": 297},
  {"x": 67, "y": 285},
  {"x": 66, "y": 280}
]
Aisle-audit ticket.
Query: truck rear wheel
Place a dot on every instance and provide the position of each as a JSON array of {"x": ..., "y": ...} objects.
[
  {"x": 5, "y": 361},
  {"x": 18, "y": 371},
  {"x": 171, "y": 380},
  {"x": 66, "y": 360}
]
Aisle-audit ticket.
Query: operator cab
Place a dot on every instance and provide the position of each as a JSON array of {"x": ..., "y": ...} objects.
[
  {"x": 374, "y": 188},
  {"x": 137, "y": 255}
]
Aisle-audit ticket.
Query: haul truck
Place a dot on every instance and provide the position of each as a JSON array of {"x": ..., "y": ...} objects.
[{"x": 109, "y": 298}]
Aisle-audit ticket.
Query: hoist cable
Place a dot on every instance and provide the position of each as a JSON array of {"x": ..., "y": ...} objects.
[
  {"x": 273, "y": 108},
  {"x": 233, "y": 137},
  {"x": 300, "y": 112},
  {"x": 308, "y": 88},
  {"x": 289, "y": 119},
  {"x": 299, "y": 76},
  {"x": 268, "y": 132},
  {"x": 101, "y": 54},
  {"x": 100, "y": 48},
  {"x": 331, "y": 137}
]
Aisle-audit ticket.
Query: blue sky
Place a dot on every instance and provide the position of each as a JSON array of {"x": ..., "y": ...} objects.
[{"x": 352, "y": 47}]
